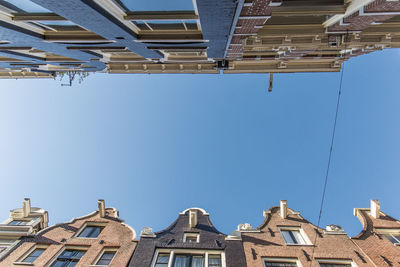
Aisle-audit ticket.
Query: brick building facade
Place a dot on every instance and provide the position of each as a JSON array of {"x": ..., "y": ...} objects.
[
  {"x": 40, "y": 38},
  {"x": 284, "y": 239},
  {"x": 97, "y": 239},
  {"x": 190, "y": 241}
]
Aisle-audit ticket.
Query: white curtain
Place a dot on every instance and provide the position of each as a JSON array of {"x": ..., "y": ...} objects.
[
  {"x": 180, "y": 261},
  {"x": 198, "y": 262}
]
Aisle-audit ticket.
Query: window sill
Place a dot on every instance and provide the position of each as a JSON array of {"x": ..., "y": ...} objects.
[
  {"x": 301, "y": 245},
  {"x": 23, "y": 263}
]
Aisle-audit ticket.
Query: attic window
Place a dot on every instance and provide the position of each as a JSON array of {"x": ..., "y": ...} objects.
[
  {"x": 18, "y": 222},
  {"x": 335, "y": 263},
  {"x": 393, "y": 235},
  {"x": 394, "y": 238},
  {"x": 191, "y": 238},
  {"x": 294, "y": 236},
  {"x": 90, "y": 232}
]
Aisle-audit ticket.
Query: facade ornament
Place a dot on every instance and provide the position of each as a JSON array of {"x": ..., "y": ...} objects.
[
  {"x": 147, "y": 232},
  {"x": 245, "y": 227}
]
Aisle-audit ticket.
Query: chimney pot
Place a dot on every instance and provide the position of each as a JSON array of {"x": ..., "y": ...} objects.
[{"x": 26, "y": 206}]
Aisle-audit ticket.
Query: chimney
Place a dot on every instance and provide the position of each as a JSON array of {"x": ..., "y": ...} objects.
[
  {"x": 102, "y": 207},
  {"x": 192, "y": 218},
  {"x": 26, "y": 207},
  {"x": 46, "y": 219},
  {"x": 375, "y": 208},
  {"x": 283, "y": 209}
]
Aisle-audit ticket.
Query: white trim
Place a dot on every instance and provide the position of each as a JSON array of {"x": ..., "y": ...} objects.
[
  {"x": 199, "y": 209},
  {"x": 301, "y": 231},
  {"x": 196, "y": 235},
  {"x": 105, "y": 249},
  {"x": 291, "y": 260},
  {"x": 336, "y": 261}
]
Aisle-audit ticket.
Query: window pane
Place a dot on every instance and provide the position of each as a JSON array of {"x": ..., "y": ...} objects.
[
  {"x": 334, "y": 265},
  {"x": 198, "y": 261},
  {"x": 280, "y": 264},
  {"x": 181, "y": 261},
  {"x": 90, "y": 231},
  {"x": 391, "y": 238},
  {"x": 18, "y": 222},
  {"x": 106, "y": 258},
  {"x": 34, "y": 255},
  {"x": 191, "y": 239},
  {"x": 214, "y": 261},
  {"x": 288, "y": 237},
  {"x": 58, "y": 263},
  {"x": 298, "y": 237},
  {"x": 163, "y": 258}
]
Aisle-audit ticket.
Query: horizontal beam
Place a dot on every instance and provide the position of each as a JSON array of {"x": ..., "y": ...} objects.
[
  {"x": 308, "y": 10},
  {"x": 161, "y": 15},
  {"x": 96, "y": 48},
  {"x": 37, "y": 17}
]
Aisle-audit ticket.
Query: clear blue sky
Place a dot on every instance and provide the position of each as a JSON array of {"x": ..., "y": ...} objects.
[{"x": 154, "y": 145}]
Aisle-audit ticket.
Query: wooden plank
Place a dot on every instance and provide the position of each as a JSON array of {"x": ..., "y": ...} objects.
[{"x": 37, "y": 17}]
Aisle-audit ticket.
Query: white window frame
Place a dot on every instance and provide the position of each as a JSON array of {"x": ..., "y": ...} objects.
[
  {"x": 200, "y": 252},
  {"x": 291, "y": 260},
  {"x": 29, "y": 252},
  {"x": 89, "y": 224},
  {"x": 55, "y": 257},
  {"x": 106, "y": 249},
  {"x": 301, "y": 231},
  {"x": 334, "y": 261},
  {"x": 390, "y": 232},
  {"x": 196, "y": 235}
]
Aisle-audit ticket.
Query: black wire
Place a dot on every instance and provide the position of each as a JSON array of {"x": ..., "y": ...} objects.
[{"x": 330, "y": 153}]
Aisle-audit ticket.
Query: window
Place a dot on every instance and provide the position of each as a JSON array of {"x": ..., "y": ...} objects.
[
  {"x": 214, "y": 261},
  {"x": 280, "y": 264},
  {"x": 335, "y": 264},
  {"x": 394, "y": 238},
  {"x": 18, "y": 222},
  {"x": 185, "y": 260},
  {"x": 162, "y": 260},
  {"x": 90, "y": 232},
  {"x": 188, "y": 258},
  {"x": 34, "y": 255},
  {"x": 68, "y": 258},
  {"x": 106, "y": 258},
  {"x": 293, "y": 237},
  {"x": 191, "y": 238}
]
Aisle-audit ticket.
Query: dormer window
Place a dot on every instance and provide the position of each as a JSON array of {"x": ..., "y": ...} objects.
[
  {"x": 191, "y": 238},
  {"x": 293, "y": 236},
  {"x": 90, "y": 232}
]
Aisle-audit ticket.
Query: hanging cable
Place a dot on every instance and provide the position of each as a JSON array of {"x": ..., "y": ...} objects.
[{"x": 331, "y": 149}]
